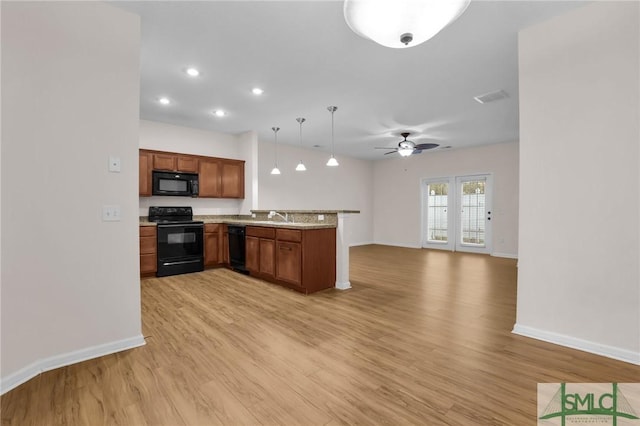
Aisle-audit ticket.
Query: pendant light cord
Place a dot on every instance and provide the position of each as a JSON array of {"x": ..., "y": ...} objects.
[{"x": 275, "y": 132}]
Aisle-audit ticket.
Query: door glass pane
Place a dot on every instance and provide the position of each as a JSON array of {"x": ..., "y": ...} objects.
[
  {"x": 473, "y": 212},
  {"x": 437, "y": 204}
]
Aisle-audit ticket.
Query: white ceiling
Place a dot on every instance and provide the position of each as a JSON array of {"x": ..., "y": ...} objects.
[{"x": 305, "y": 57}]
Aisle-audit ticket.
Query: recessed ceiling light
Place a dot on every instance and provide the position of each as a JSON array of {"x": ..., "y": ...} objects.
[
  {"x": 193, "y": 72},
  {"x": 164, "y": 101},
  {"x": 257, "y": 91},
  {"x": 219, "y": 113}
]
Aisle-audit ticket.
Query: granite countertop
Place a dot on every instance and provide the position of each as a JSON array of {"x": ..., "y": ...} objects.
[
  {"x": 307, "y": 211},
  {"x": 265, "y": 223}
]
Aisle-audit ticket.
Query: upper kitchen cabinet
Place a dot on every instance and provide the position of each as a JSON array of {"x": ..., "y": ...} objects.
[
  {"x": 175, "y": 162},
  {"x": 232, "y": 182},
  {"x": 218, "y": 177},
  {"x": 221, "y": 178},
  {"x": 144, "y": 181},
  {"x": 209, "y": 178}
]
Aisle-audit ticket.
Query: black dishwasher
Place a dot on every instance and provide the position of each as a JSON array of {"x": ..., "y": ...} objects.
[{"x": 237, "y": 248}]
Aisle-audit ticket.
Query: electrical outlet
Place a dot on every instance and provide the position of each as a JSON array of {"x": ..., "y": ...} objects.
[
  {"x": 320, "y": 217},
  {"x": 111, "y": 213},
  {"x": 114, "y": 164}
]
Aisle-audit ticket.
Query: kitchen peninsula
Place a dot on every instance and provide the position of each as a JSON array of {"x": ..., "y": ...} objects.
[{"x": 305, "y": 250}]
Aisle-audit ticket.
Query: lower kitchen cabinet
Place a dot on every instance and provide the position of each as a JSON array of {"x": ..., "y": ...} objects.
[
  {"x": 304, "y": 260},
  {"x": 214, "y": 251},
  {"x": 148, "y": 251},
  {"x": 289, "y": 267},
  {"x": 260, "y": 251}
]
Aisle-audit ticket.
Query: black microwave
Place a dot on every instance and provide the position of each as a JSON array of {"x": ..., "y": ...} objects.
[{"x": 177, "y": 184}]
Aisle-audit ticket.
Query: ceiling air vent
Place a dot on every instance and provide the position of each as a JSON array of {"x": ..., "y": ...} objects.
[{"x": 491, "y": 96}]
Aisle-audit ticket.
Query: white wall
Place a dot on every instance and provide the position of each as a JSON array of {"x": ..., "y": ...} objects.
[
  {"x": 70, "y": 99},
  {"x": 397, "y": 197},
  {"x": 186, "y": 140},
  {"x": 578, "y": 280},
  {"x": 346, "y": 187}
]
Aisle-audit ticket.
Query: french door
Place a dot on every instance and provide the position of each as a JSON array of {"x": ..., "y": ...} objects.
[{"x": 457, "y": 213}]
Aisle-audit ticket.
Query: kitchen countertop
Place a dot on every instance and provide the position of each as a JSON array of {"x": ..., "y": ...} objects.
[
  {"x": 307, "y": 211},
  {"x": 265, "y": 223}
]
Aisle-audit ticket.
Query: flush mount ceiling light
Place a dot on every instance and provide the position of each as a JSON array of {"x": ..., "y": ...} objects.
[
  {"x": 192, "y": 72},
  {"x": 275, "y": 170},
  {"x": 332, "y": 161},
  {"x": 164, "y": 101},
  {"x": 300, "y": 167},
  {"x": 257, "y": 91},
  {"x": 401, "y": 23},
  {"x": 219, "y": 113}
]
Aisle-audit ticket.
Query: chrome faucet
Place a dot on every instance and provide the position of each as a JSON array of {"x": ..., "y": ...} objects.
[{"x": 273, "y": 213}]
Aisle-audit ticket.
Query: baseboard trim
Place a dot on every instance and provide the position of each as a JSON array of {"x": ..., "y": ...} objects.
[
  {"x": 346, "y": 285},
  {"x": 405, "y": 245},
  {"x": 580, "y": 344},
  {"x": 365, "y": 243},
  {"x": 51, "y": 363},
  {"x": 505, "y": 255}
]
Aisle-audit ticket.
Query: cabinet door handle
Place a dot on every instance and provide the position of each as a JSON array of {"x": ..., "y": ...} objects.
[{"x": 285, "y": 248}]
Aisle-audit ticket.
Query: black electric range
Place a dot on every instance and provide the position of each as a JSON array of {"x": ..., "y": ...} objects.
[{"x": 180, "y": 240}]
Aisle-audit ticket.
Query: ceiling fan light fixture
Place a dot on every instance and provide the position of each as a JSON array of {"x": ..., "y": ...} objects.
[
  {"x": 401, "y": 23},
  {"x": 405, "y": 151}
]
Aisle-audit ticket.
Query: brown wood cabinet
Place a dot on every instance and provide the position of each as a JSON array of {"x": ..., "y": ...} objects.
[
  {"x": 187, "y": 163},
  {"x": 209, "y": 178},
  {"x": 260, "y": 251},
  {"x": 218, "y": 177},
  {"x": 225, "y": 245},
  {"x": 232, "y": 179},
  {"x": 289, "y": 267},
  {"x": 148, "y": 251},
  {"x": 144, "y": 168},
  {"x": 211, "y": 245},
  {"x": 165, "y": 162},
  {"x": 304, "y": 260}
]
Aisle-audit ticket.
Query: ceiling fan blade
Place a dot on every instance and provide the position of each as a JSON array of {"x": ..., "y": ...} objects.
[
  {"x": 390, "y": 152},
  {"x": 416, "y": 151},
  {"x": 424, "y": 146}
]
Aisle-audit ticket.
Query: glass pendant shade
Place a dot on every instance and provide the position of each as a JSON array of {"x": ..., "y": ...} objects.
[
  {"x": 401, "y": 23},
  {"x": 301, "y": 167},
  {"x": 275, "y": 170},
  {"x": 332, "y": 162}
]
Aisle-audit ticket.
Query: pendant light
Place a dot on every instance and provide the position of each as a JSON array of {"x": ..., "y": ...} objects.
[
  {"x": 300, "y": 167},
  {"x": 401, "y": 23},
  {"x": 332, "y": 161},
  {"x": 276, "y": 170}
]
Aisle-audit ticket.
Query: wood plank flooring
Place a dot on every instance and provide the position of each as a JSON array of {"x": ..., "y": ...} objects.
[{"x": 423, "y": 338}]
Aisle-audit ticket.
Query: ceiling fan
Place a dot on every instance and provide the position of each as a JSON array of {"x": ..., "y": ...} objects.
[{"x": 406, "y": 148}]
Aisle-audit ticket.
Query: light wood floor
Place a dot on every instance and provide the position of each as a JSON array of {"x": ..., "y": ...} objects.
[{"x": 424, "y": 337}]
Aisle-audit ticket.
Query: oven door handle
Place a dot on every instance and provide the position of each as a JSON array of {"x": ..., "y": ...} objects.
[{"x": 181, "y": 262}]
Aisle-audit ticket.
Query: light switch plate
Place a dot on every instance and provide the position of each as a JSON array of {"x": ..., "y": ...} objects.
[
  {"x": 111, "y": 213},
  {"x": 114, "y": 164},
  {"x": 320, "y": 217}
]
